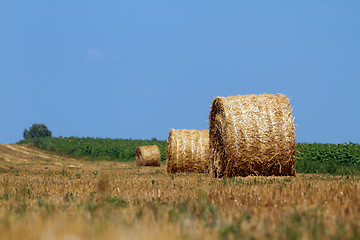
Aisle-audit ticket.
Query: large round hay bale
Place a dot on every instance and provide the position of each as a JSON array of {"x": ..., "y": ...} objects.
[
  {"x": 252, "y": 135},
  {"x": 148, "y": 156},
  {"x": 187, "y": 151}
]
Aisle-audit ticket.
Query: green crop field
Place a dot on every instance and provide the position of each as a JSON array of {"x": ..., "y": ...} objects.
[
  {"x": 96, "y": 148},
  {"x": 343, "y": 159}
]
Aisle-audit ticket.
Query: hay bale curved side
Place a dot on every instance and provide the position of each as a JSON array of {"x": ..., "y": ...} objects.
[
  {"x": 252, "y": 135},
  {"x": 187, "y": 151},
  {"x": 148, "y": 156}
]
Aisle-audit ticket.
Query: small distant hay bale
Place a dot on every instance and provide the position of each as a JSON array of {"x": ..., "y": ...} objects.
[
  {"x": 148, "y": 156},
  {"x": 187, "y": 151},
  {"x": 252, "y": 135}
]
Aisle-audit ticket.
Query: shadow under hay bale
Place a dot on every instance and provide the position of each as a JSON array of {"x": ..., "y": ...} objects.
[
  {"x": 187, "y": 151},
  {"x": 252, "y": 135},
  {"x": 148, "y": 156}
]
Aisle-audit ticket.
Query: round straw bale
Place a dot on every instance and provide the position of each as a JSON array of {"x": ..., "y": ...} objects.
[
  {"x": 148, "y": 156},
  {"x": 187, "y": 151},
  {"x": 252, "y": 135}
]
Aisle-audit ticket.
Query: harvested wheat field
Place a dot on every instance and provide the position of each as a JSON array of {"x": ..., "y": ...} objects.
[{"x": 45, "y": 196}]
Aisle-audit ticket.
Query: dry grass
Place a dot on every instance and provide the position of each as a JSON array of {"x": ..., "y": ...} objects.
[{"x": 39, "y": 199}]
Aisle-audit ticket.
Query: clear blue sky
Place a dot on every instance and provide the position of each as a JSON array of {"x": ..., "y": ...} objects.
[{"x": 135, "y": 69}]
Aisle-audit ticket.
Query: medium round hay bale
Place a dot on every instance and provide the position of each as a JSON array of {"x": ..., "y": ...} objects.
[
  {"x": 187, "y": 151},
  {"x": 148, "y": 156},
  {"x": 252, "y": 135}
]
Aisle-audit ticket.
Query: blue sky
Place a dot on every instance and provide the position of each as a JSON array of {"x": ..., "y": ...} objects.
[{"x": 135, "y": 69}]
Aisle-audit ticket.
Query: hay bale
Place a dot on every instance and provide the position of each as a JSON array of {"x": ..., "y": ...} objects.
[
  {"x": 148, "y": 156},
  {"x": 187, "y": 151},
  {"x": 252, "y": 135}
]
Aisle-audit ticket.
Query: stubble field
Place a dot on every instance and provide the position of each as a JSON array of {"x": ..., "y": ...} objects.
[{"x": 46, "y": 196}]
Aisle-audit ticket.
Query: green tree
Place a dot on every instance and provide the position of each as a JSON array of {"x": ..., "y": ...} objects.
[{"x": 37, "y": 130}]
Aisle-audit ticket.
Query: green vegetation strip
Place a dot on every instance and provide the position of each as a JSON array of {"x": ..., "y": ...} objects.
[
  {"x": 95, "y": 148},
  {"x": 339, "y": 159}
]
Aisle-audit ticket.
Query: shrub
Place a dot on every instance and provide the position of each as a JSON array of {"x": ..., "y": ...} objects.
[{"x": 37, "y": 130}]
